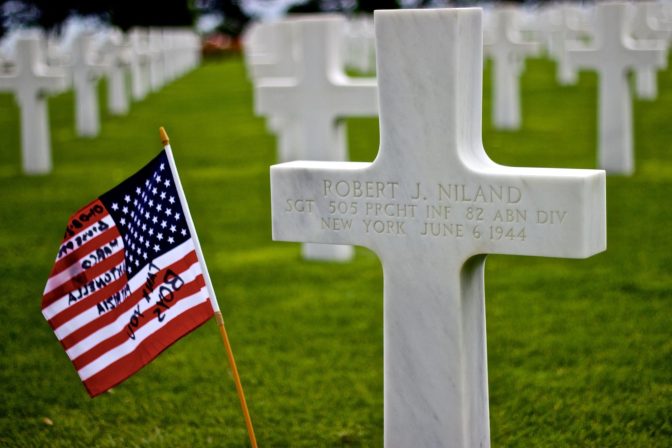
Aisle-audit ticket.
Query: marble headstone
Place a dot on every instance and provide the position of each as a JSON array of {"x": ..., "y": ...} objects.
[
  {"x": 117, "y": 55},
  {"x": 431, "y": 206},
  {"x": 279, "y": 60},
  {"x": 86, "y": 72},
  {"x": 643, "y": 29},
  {"x": 360, "y": 44},
  {"x": 157, "y": 78},
  {"x": 559, "y": 34},
  {"x": 31, "y": 81},
  {"x": 612, "y": 56},
  {"x": 139, "y": 61},
  {"x": 508, "y": 52},
  {"x": 314, "y": 102}
]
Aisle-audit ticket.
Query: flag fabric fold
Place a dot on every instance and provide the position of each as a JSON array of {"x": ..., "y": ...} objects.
[{"x": 127, "y": 281}]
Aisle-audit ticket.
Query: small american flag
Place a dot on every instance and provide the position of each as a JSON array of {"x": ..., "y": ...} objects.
[{"x": 127, "y": 282}]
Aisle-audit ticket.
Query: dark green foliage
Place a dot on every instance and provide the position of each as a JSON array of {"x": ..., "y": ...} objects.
[
  {"x": 125, "y": 14},
  {"x": 580, "y": 351}
]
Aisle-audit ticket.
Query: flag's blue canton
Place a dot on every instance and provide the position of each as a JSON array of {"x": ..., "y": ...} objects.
[{"x": 147, "y": 211}]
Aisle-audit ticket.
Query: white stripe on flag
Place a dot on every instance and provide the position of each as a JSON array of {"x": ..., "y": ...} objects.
[
  {"x": 136, "y": 282},
  {"x": 120, "y": 323},
  {"x": 143, "y": 333}
]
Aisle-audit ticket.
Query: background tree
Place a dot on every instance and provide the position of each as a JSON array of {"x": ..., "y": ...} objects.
[
  {"x": 51, "y": 14},
  {"x": 234, "y": 19}
]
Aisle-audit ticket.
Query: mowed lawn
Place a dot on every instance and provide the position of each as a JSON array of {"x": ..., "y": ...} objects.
[{"x": 580, "y": 351}]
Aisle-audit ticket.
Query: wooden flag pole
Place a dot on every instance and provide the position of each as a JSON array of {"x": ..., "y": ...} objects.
[
  {"x": 213, "y": 299},
  {"x": 236, "y": 378}
]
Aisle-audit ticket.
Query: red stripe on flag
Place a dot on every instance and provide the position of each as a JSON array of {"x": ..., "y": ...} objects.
[
  {"x": 83, "y": 278},
  {"x": 149, "y": 349},
  {"x": 105, "y": 346},
  {"x": 73, "y": 257},
  {"x": 178, "y": 267}
]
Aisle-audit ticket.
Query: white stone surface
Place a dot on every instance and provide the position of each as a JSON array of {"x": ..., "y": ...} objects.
[
  {"x": 86, "y": 72},
  {"x": 613, "y": 55},
  {"x": 32, "y": 81},
  {"x": 644, "y": 28},
  {"x": 431, "y": 206},
  {"x": 508, "y": 52},
  {"x": 556, "y": 18},
  {"x": 277, "y": 58},
  {"x": 140, "y": 60},
  {"x": 313, "y": 103},
  {"x": 259, "y": 45},
  {"x": 646, "y": 83},
  {"x": 157, "y": 78},
  {"x": 648, "y": 22},
  {"x": 117, "y": 55},
  {"x": 360, "y": 43}
]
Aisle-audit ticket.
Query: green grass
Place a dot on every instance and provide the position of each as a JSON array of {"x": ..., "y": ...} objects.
[{"x": 580, "y": 351}]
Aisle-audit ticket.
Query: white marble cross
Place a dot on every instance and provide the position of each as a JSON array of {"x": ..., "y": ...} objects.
[
  {"x": 559, "y": 34},
  {"x": 157, "y": 78},
  {"x": 85, "y": 74},
  {"x": 117, "y": 54},
  {"x": 315, "y": 102},
  {"x": 642, "y": 30},
  {"x": 279, "y": 60},
  {"x": 508, "y": 52},
  {"x": 140, "y": 59},
  {"x": 31, "y": 82},
  {"x": 612, "y": 57},
  {"x": 187, "y": 50},
  {"x": 259, "y": 45},
  {"x": 432, "y": 206},
  {"x": 359, "y": 44}
]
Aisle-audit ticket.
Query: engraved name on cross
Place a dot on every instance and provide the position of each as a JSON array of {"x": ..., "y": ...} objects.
[{"x": 431, "y": 206}]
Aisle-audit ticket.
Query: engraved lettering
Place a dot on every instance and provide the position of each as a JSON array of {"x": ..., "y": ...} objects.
[{"x": 443, "y": 229}]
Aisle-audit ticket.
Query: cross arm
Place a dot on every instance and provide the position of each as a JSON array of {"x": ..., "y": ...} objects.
[
  {"x": 313, "y": 201},
  {"x": 52, "y": 81},
  {"x": 8, "y": 83},
  {"x": 582, "y": 57},
  {"x": 355, "y": 97},
  {"x": 545, "y": 212},
  {"x": 272, "y": 96},
  {"x": 653, "y": 56}
]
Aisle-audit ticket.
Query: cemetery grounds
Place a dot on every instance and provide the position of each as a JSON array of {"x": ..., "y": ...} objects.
[{"x": 579, "y": 351}]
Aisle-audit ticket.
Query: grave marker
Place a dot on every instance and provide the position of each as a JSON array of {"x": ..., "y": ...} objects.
[
  {"x": 278, "y": 60},
  {"x": 117, "y": 55},
  {"x": 612, "y": 57},
  {"x": 85, "y": 74},
  {"x": 642, "y": 29},
  {"x": 282, "y": 62},
  {"x": 31, "y": 82},
  {"x": 157, "y": 77},
  {"x": 140, "y": 59},
  {"x": 508, "y": 52},
  {"x": 315, "y": 101},
  {"x": 559, "y": 35},
  {"x": 432, "y": 206}
]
